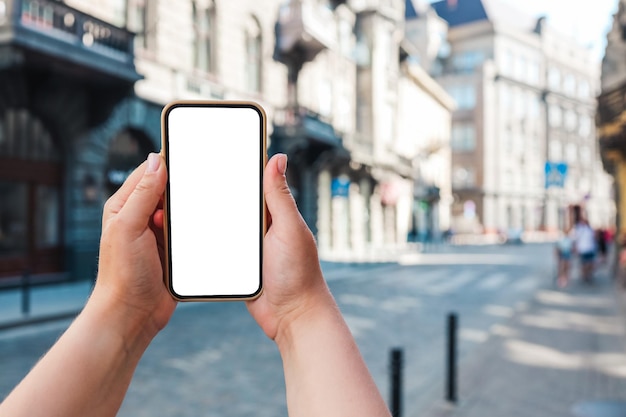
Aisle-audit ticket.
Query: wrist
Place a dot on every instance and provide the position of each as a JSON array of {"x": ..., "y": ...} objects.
[
  {"x": 315, "y": 312},
  {"x": 134, "y": 329}
]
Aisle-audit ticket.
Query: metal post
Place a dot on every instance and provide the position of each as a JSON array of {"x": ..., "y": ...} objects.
[
  {"x": 395, "y": 368},
  {"x": 26, "y": 292},
  {"x": 451, "y": 360}
]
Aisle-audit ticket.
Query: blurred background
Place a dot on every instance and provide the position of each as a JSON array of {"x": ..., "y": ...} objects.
[
  {"x": 404, "y": 121},
  {"x": 409, "y": 125}
]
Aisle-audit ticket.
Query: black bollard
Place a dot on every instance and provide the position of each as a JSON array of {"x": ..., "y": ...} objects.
[
  {"x": 451, "y": 360},
  {"x": 26, "y": 292},
  {"x": 395, "y": 369}
]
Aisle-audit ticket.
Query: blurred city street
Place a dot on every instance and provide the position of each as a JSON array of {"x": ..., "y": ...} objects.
[
  {"x": 523, "y": 344},
  {"x": 438, "y": 151}
]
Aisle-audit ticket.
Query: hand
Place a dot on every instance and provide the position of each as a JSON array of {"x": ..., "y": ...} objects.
[
  {"x": 131, "y": 248},
  {"x": 292, "y": 278}
]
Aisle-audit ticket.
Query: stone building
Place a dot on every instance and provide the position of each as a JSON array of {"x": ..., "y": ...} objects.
[
  {"x": 523, "y": 136},
  {"x": 65, "y": 81},
  {"x": 611, "y": 113},
  {"x": 83, "y": 84}
]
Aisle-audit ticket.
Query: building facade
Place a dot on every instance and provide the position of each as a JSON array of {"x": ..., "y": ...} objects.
[
  {"x": 82, "y": 97},
  {"x": 65, "y": 77},
  {"x": 523, "y": 135},
  {"x": 611, "y": 114},
  {"x": 356, "y": 116}
]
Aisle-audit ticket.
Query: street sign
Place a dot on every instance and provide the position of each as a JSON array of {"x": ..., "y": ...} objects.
[
  {"x": 340, "y": 186},
  {"x": 556, "y": 173}
]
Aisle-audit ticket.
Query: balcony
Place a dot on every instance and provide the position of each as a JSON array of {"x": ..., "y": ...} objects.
[
  {"x": 305, "y": 28},
  {"x": 51, "y": 34},
  {"x": 305, "y": 128}
]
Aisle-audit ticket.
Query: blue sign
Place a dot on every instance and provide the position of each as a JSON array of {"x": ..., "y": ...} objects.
[
  {"x": 556, "y": 173},
  {"x": 340, "y": 187}
]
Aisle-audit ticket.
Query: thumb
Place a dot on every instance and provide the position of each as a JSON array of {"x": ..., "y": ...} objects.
[
  {"x": 280, "y": 203},
  {"x": 145, "y": 197}
]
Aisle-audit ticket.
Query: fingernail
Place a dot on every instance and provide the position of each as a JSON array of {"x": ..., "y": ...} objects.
[
  {"x": 282, "y": 164},
  {"x": 154, "y": 161}
]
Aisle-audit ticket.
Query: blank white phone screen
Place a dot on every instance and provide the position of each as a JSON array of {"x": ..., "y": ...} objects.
[{"x": 215, "y": 215}]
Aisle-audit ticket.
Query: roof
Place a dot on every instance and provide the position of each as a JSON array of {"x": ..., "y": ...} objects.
[
  {"x": 416, "y": 8},
  {"x": 409, "y": 10},
  {"x": 461, "y": 12}
]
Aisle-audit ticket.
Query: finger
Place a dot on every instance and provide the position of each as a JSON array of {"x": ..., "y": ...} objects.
[
  {"x": 278, "y": 199},
  {"x": 118, "y": 199},
  {"x": 157, "y": 218},
  {"x": 145, "y": 197}
]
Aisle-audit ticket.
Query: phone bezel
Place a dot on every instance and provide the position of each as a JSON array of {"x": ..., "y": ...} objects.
[{"x": 167, "y": 273}]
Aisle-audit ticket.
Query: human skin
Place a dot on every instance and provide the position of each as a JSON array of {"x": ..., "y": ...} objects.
[{"x": 88, "y": 370}]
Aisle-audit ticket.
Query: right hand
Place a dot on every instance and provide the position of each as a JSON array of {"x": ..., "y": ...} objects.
[{"x": 292, "y": 278}]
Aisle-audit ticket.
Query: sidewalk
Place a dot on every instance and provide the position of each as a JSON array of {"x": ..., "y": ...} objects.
[
  {"x": 563, "y": 354},
  {"x": 44, "y": 303}
]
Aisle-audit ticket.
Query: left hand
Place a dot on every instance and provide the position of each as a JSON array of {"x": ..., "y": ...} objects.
[{"x": 131, "y": 248}]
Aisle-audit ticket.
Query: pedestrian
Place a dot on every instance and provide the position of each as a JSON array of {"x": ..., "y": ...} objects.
[
  {"x": 584, "y": 244},
  {"x": 564, "y": 248},
  {"x": 88, "y": 370}
]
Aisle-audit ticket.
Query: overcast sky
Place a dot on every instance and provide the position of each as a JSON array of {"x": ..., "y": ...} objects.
[{"x": 587, "y": 20}]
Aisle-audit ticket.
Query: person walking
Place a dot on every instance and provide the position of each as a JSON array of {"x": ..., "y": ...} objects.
[
  {"x": 564, "y": 248},
  {"x": 584, "y": 245}
]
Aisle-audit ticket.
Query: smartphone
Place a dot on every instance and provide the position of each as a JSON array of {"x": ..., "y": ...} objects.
[{"x": 214, "y": 210}]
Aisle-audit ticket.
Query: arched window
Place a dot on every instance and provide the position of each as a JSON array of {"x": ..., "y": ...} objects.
[
  {"x": 127, "y": 151},
  {"x": 254, "y": 55},
  {"x": 204, "y": 24},
  {"x": 30, "y": 196}
]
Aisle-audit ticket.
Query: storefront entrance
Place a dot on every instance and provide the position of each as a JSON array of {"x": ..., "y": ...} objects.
[{"x": 31, "y": 232}]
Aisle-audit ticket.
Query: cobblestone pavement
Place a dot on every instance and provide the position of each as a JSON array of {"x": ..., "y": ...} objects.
[
  {"x": 562, "y": 355},
  {"x": 213, "y": 360}
]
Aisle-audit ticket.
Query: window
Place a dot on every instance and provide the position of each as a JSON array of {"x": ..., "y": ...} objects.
[
  {"x": 468, "y": 61},
  {"x": 554, "y": 79},
  {"x": 142, "y": 21},
  {"x": 584, "y": 90},
  {"x": 521, "y": 70},
  {"x": 533, "y": 73},
  {"x": 569, "y": 84},
  {"x": 555, "y": 151},
  {"x": 463, "y": 137},
  {"x": 571, "y": 120},
  {"x": 32, "y": 195},
  {"x": 535, "y": 105},
  {"x": 571, "y": 152},
  {"x": 119, "y": 8},
  {"x": 556, "y": 116},
  {"x": 519, "y": 102},
  {"x": 254, "y": 55},
  {"x": 464, "y": 95},
  {"x": 585, "y": 154},
  {"x": 204, "y": 37},
  {"x": 126, "y": 151},
  {"x": 584, "y": 126}
]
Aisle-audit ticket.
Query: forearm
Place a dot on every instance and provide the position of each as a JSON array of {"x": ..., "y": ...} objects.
[
  {"x": 88, "y": 370},
  {"x": 324, "y": 372}
]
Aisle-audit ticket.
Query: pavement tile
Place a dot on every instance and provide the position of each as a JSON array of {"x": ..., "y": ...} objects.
[{"x": 566, "y": 347}]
